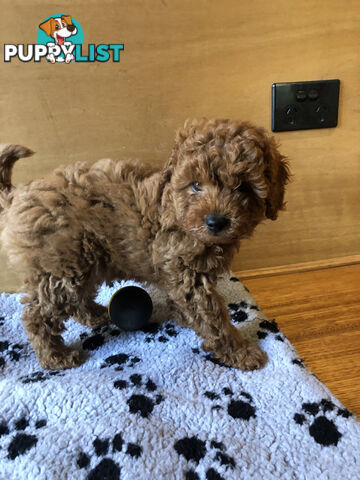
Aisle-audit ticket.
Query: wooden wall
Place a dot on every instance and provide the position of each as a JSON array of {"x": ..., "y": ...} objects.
[{"x": 191, "y": 59}]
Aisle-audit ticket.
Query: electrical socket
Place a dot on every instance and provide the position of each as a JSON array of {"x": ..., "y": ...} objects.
[{"x": 305, "y": 105}]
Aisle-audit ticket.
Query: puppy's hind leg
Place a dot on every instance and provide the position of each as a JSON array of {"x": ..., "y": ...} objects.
[{"x": 48, "y": 305}]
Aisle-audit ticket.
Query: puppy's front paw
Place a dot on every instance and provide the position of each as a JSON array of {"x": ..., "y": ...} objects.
[
  {"x": 252, "y": 357},
  {"x": 245, "y": 357},
  {"x": 61, "y": 359}
]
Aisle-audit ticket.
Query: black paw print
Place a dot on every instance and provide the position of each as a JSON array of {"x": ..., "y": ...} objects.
[
  {"x": 196, "y": 450},
  {"x": 237, "y": 312},
  {"x": 242, "y": 408},
  {"x": 140, "y": 403},
  {"x": 160, "y": 332},
  {"x": 40, "y": 376},
  {"x": 299, "y": 362},
  {"x": 322, "y": 426},
  {"x": 120, "y": 360},
  {"x": 234, "y": 279},
  {"x": 269, "y": 326},
  {"x": 10, "y": 351},
  {"x": 21, "y": 442},
  {"x": 107, "y": 468},
  {"x": 97, "y": 337}
]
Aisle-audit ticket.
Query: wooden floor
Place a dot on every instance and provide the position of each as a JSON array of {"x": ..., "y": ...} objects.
[{"x": 319, "y": 312}]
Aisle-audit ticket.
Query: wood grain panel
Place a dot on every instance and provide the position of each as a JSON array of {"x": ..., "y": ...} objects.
[
  {"x": 300, "y": 267},
  {"x": 319, "y": 312},
  {"x": 192, "y": 59}
]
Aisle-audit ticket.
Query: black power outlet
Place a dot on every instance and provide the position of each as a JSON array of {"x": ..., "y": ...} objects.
[{"x": 303, "y": 105}]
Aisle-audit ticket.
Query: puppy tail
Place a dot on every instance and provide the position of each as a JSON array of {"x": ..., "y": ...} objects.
[{"x": 9, "y": 154}]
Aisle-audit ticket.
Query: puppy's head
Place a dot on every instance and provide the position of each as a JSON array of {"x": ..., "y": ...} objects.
[
  {"x": 222, "y": 179},
  {"x": 59, "y": 28}
]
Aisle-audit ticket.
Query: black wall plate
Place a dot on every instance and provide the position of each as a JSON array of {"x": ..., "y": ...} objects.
[{"x": 304, "y": 105}]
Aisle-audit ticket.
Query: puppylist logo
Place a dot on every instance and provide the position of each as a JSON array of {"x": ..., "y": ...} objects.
[{"x": 60, "y": 39}]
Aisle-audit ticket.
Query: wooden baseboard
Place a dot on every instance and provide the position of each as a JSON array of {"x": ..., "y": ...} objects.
[{"x": 299, "y": 267}]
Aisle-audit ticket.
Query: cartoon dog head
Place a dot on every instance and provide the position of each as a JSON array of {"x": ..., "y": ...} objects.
[{"x": 59, "y": 28}]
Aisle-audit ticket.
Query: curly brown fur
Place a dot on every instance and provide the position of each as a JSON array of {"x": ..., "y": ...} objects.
[{"x": 176, "y": 227}]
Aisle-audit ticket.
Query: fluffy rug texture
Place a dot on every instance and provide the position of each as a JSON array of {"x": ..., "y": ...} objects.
[{"x": 151, "y": 405}]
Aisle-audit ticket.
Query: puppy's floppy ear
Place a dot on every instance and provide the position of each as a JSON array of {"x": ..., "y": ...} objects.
[
  {"x": 167, "y": 171},
  {"x": 166, "y": 174},
  {"x": 67, "y": 19},
  {"x": 277, "y": 175},
  {"x": 180, "y": 137},
  {"x": 48, "y": 26},
  {"x": 165, "y": 197}
]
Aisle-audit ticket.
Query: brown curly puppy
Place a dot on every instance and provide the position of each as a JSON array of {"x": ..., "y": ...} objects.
[{"x": 177, "y": 228}]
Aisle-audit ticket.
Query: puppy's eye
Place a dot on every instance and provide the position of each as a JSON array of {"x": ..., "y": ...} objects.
[
  {"x": 57, "y": 26},
  {"x": 196, "y": 187}
]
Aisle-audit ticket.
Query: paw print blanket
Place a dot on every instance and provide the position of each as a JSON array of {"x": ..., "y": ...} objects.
[{"x": 151, "y": 405}]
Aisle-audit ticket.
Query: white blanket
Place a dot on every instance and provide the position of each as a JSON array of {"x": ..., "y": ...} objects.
[{"x": 151, "y": 405}]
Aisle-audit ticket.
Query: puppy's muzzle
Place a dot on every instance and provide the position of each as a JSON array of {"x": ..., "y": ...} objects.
[{"x": 216, "y": 223}]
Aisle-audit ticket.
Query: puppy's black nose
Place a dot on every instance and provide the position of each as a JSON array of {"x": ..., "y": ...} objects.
[
  {"x": 71, "y": 28},
  {"x": 216, "y": 222}
]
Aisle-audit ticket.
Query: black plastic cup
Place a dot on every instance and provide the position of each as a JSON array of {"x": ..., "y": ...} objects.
[{"x": 130, "y": 308}]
